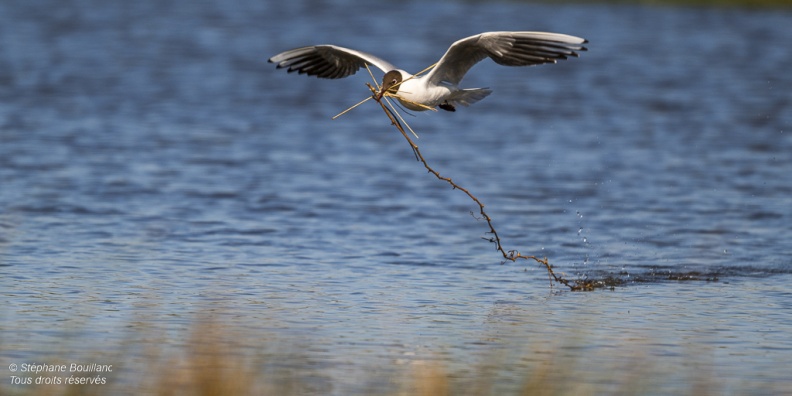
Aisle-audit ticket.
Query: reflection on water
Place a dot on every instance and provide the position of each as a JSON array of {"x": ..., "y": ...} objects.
[{"x": 154, "y": 169}]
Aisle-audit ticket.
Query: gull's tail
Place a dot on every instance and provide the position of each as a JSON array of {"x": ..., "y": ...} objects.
[{"x": 467, "y": 97}]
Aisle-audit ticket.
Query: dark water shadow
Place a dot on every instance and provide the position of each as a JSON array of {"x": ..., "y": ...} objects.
[{"x": 656, "y": 274}]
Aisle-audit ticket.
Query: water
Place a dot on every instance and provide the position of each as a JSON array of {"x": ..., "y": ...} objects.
[{"x": 154, "y": 170}]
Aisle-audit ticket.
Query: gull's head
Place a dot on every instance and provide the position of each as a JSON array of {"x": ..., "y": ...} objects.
[{"x": 390, "y": 83}]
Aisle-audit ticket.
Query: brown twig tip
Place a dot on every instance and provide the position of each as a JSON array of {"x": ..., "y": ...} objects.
[{"x": 512, "y": 255}]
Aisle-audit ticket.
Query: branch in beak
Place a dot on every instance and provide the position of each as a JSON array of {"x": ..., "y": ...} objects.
[{"x": 385, "y": 88}]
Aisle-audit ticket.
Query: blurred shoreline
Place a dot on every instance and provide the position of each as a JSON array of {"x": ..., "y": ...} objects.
[{"x": 214, "y": 361}]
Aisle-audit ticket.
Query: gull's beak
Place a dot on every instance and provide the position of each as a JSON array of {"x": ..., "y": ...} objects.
[{"x": 382, "y": 91}]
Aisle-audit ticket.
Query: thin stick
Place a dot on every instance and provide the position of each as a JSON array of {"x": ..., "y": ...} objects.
[
  {"x": 349, "y": 109},
  {"x": 397, "y": 96},
  {"x": 402, "y": 119},
  {"x": 373, "y": 79},
  {"x": 420, "y": 72}
]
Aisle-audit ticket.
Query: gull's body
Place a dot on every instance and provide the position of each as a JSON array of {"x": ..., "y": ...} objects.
[{"x": 440, "y": 86}]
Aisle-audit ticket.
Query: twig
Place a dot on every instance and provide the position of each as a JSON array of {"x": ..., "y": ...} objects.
[
  {"x": 511, "y": 255},
  {"x": 352, "y": 107}
]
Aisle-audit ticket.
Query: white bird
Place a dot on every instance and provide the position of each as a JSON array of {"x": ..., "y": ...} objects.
[{"x": 440, "y": 87}]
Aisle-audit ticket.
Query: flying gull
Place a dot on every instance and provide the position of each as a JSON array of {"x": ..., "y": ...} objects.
[{"x": 440, "y": 86}]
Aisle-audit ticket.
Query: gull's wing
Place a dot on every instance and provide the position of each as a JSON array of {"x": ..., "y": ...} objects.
[
  {"x": 505, "y": 48},
  {"x": 327, "y": 61}
]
